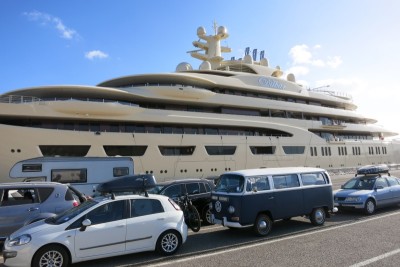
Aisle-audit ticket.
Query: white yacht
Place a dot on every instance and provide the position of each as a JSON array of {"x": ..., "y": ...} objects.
[{"x": 227, "y": 115}]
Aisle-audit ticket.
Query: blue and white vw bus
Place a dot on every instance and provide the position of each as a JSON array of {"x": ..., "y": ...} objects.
[{"x": 257, "y": 197}]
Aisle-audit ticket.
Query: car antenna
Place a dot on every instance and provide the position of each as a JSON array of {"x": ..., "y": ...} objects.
[{"x": 112, "y": 196}]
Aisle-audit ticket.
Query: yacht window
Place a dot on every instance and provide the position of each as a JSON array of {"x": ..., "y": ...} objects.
[
  {"x": 263, "y": 150},
  {"x": 220, "y": 150},
  {"x": 293, "y": 149},
  {"x": 176, "y": 150},
  {"x": 130, "y": 151},
  {"x": 66, "y": 151}
]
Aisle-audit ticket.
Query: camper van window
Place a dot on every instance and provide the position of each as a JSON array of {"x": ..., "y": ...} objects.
[
  {"x": 31, "y": 167},
  {"x": 120, "y": 171},
  {"x": 312, "y": 179},
  {"x": 69, "y": 176},
  {"x": 285, "y": 181},
  {"x": 257, "y": 183}
]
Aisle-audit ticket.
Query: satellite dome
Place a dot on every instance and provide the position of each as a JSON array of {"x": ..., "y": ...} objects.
[
  {"x": 248, "y": 59},
  {"x": 290, "y": 77},
  {"x": 264, "y": 62},
  {"x": 201, "y": 31},
  {"x": 184, "y": 66},
  {"x": 205, "y": 65},
  {"x": 222, "y": 30}
]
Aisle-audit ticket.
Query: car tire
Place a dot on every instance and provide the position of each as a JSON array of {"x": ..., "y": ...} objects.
[
  {"x": 168, "y": 242},
  {"x": 369, "y": 207},
  {"x": 51, "y": 255},
  {"x": 262, "y": 225},
  {"x": 206, "y": 215},
  {"x": 318, "y": 216}
]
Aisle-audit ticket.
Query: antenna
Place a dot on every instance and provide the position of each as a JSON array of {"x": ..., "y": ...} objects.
[{"x": 215, "y": 27}]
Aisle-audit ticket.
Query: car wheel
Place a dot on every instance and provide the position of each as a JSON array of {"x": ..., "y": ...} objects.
[
  {"x": 318, "y": 216},
  {"x": 262, "y": 225},
  {"x": 369, "y": 207},
  {"x": 206, "y": 214},
  {"x": 168, "y": 242},
  {"x": 53, "y": 255}
]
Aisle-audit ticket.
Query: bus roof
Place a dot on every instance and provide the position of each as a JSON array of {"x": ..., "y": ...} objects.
[{"x": 275, "y": 171}]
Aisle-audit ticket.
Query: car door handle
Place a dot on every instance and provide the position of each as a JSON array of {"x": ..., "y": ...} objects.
[
  {"x": 271, "y": 198},
  {"x": 33, "y": 209},
  {"x": 160, "y": 219},
  {"x": 120, "y": 226}
]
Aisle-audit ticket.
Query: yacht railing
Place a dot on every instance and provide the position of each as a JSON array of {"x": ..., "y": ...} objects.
[
  {"x": 342, "y": 95},
  {"x": 16, "y": 99}
]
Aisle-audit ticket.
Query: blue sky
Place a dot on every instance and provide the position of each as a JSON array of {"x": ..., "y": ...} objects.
[{"x": 350, "y": 45}]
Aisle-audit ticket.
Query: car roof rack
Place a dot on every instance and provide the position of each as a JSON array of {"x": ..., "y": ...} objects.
[
  {"x": 135, "y": 184},
  {"x": 373, "y": 169}
]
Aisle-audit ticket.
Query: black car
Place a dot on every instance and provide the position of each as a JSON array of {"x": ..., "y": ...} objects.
[{"x": 198, "y": 190}]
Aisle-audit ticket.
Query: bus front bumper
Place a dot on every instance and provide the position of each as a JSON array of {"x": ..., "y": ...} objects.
[{"x": 225, "y": 222}]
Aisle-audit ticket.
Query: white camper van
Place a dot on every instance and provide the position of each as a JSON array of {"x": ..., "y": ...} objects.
[{"x": 83, "y": 173}]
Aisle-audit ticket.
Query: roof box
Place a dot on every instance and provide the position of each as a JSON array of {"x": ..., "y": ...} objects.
[
  {"x": 132, "y": 183},
  {"x": 373, "y": 169}
]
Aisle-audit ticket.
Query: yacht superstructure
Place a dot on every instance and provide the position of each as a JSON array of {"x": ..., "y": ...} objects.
[{"x": 227, "y": 115}]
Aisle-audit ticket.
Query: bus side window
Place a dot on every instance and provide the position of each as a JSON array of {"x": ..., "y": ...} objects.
[{"x": 285, "y": 181}]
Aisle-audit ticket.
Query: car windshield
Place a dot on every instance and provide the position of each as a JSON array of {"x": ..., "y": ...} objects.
[
  {"x": 360, "y": 183},
  {"x": 230, "y": 183},
  {"x": 71, "y": 213}
]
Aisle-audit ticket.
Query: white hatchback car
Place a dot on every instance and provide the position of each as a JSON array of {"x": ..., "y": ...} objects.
[{"x": 99, "y": 228}]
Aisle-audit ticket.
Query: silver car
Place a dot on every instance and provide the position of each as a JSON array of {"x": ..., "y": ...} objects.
[
  {"x": 22, "y": 203},
  {"x": 373, "y": 187}
]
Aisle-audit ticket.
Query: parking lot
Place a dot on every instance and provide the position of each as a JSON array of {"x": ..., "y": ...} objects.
[{"x": 346, "y": 239}]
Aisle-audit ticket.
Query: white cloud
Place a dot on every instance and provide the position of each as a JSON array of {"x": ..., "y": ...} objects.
[
  {"x": 298, "y": 70},
  {"x": 300, "y": 54},
  {"x": 44, "y": 19},
  {"x": 304, "y": 55},
  {"x": 95, "y": 54},
  {"x": 334, "y": 62}
]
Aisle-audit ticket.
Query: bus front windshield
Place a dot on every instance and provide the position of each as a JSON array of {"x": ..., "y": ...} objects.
[{"x": 230, "y": 183}]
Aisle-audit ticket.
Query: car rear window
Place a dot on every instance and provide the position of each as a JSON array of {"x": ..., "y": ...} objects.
[{"x": 44, "y": 193}]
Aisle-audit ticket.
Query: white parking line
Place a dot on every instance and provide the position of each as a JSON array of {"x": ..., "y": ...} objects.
[
  {"x": 378, "y": 258},
  {"x": 206, "y": 255}
]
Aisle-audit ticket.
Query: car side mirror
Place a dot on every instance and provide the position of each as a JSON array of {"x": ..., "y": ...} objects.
[
  {"x": 342, "y": 186},
  {"x": 85, "y": 224}
]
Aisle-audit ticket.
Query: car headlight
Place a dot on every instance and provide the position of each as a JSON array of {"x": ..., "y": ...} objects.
[
  {"x": 353, "y": 199},
  {"x": 20, "y": 240}
]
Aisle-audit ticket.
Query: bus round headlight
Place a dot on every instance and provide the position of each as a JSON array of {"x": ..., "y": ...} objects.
[{"x": 231, "y": 209}]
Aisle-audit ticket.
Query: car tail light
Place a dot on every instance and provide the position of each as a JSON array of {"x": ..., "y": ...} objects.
[
  {"x": 176, "y": 206},
  {"x": 75, "y": 203}
]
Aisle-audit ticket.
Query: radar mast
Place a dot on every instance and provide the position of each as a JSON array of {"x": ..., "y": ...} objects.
[{"x": 212, "y": 47}]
